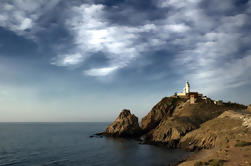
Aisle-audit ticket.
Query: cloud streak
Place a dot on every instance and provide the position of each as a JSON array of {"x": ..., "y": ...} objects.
[
  {"x": 212, "y": 59},
  {"x": 22, "y": 17},
  {"x": 101, "y": 71},
  {"x": 208, "y": 41},
  {"x": 93, "y": 33},
  {"x": 121, "y": 44}
]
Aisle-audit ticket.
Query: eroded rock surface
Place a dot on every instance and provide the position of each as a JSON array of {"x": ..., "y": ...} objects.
[
  {"x": 126, "y": 125},
  {"x": 172, "y": 119},
  {"x": 218, "y": 132},
  {"x": 162, "y": 109},
  {"x": 171, "y": 129},
  {"x": 176, "y": 123}
]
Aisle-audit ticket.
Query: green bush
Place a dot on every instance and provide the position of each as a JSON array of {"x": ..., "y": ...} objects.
[
  {"x": 199, "y": 163},
  {"x": 216, "y": 162},
  {"x": 212, "y": 162},
  {"x": 242, "y": 144}
]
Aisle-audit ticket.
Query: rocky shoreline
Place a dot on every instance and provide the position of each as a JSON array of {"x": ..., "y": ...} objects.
[{"x": 176, "y": 123}]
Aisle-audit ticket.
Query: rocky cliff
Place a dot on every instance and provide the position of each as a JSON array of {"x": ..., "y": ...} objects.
[
  {"x": 215, "y": 132},
  {"x": 184, "y": 118},
  {"x": 126, "y": 125},
  {"x": 176, "y": 123},
  {"x": 168, "y": 121},
  {"x": 226, "y": 137},
  {"x": 162, "y": 109}
]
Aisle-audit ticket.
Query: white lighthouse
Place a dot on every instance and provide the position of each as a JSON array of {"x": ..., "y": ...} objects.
[
  {"x": 187, "y": 88},
  {"x": 192, "y": 96}
]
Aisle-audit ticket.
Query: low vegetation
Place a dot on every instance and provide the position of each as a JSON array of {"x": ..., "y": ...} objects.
[
  {"x": 242, "y": 143},
  {"x": 212, "y": 162}
]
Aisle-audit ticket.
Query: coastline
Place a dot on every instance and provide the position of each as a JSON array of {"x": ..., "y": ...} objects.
[{"x": 209, "y": 130}]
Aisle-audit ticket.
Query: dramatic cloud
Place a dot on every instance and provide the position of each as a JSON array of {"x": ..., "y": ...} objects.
[
  {"x": 66, "y": 56},
  {"x": 121, "y": 44},
  {"x": 214, "y": 57},
  {"x": 204, "y": 37},
  {"x": 93, "y": 33},
  {"x": 21, "y": 16}
]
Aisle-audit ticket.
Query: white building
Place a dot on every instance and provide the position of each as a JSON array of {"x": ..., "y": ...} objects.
[{"x": 186, "y": 90}]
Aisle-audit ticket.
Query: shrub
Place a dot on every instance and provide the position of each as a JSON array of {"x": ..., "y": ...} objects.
[
  {"x": 212, "y": 162},
  {"x": 242, "y": 144}
]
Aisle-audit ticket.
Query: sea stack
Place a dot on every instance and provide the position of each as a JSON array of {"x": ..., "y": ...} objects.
[{"x": 126, "y": 125}]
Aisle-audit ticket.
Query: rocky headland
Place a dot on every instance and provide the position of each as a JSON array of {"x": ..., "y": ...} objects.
[{"x": 202, "y": 126}]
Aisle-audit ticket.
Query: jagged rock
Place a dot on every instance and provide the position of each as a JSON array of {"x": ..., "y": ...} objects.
[
  {"x": 170, "y": 120},
  {"x": 170, "y": 131},
  {"x": 126, "y": 125},
  {"x": 164, "y": 108}
]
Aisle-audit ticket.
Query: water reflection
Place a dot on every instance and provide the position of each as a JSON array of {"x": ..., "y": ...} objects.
[
  {"x": 64, "y": 144},
  {"x": 130, "y": 152}
]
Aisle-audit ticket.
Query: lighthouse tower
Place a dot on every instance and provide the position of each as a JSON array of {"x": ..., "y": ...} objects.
[
  {"x": 186, "y": 91},
  {"x": 187, "y": 88},
  {"x": 192, "y": 96}
]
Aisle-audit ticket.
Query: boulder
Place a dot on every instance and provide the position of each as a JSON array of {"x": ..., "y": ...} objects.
[{"x": 126, "y": 125}]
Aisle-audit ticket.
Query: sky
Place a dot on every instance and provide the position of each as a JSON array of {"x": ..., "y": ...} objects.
[{"x": 86, "y": 60}]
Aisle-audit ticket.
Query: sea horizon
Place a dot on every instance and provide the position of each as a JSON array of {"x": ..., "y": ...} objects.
[
  {"x": 70, "y": 144},
  {"x": 125, "y": 82}
]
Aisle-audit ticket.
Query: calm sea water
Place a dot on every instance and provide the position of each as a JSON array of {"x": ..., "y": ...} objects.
[{"x": 69, "y": 144}]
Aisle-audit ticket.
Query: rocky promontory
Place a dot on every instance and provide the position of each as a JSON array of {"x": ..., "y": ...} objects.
[
  {"x": 184, "y": 118},
  {"x": 175, "y": 122}
]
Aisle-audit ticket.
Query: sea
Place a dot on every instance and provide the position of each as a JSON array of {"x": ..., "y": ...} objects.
[{"x": 70, "y": 144}]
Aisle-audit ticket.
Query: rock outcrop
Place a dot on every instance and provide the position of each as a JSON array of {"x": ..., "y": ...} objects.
[
  {"x": 170, "y": 131},
  {"x": 185, "y": 119},
  {"x": 162, "y": 109},
  {"x": 126, "y": 125},
  {"x": 227, "y": 138},
  {"x": 170, "y": 120},
  {"x": 177, "y": 123},
  {"x": 218, "y": 132}
]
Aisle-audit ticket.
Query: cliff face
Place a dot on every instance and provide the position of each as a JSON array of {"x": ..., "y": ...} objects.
[
  {"x": 228, "y": 137},
  {"x": 169, "y": 121},
  {"x": 217, "y": 132},
  {"x": 126, "y": 125},
  {"x": 184, "y": 118},
  {"x": 162, "y": 109},
  {"x": 176, "y": 123},
  {"x": 170, "y": 131}
]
